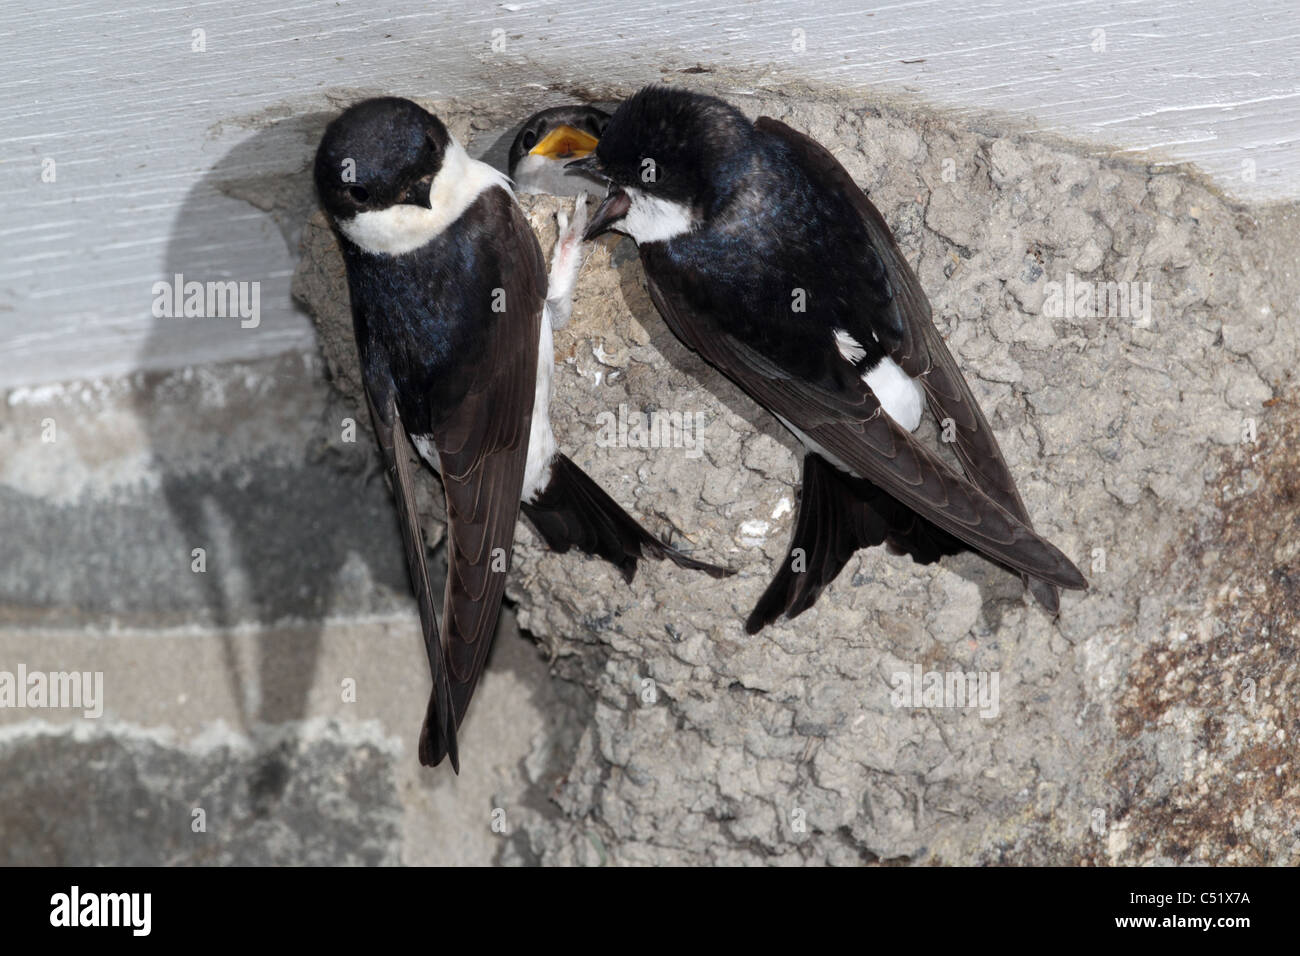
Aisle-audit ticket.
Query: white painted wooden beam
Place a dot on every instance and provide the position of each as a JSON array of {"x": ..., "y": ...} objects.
[{"x": 141, "y": 125}]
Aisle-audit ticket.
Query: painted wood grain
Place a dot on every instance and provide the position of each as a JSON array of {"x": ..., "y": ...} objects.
[{"x": 143, "y": 128}]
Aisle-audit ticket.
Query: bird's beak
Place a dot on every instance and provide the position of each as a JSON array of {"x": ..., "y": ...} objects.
[
  {"x": 418, "y": 193},
  {"x": 564, "y": 142},
  {"x": 589, "y": 164},
  {"x": 610, "y": 211}
]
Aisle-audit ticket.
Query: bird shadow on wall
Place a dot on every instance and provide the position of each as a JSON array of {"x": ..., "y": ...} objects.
[{"x": 278, "y": 518}]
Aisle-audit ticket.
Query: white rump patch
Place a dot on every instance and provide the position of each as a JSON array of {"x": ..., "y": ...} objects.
[
  {"x": 849, "y": 347},
  {"x": 402, "y": 228},
  {"x": 652, "y": 219},
  {"x": 898, "y": 393}
]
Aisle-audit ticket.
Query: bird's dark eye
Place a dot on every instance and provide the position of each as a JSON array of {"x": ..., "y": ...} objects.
[
  {"x": 359, "y": 193},
  {"x": 530, "y": 139}
]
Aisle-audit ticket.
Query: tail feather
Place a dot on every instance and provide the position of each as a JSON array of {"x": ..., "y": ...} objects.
[
  {"x": 575, "y": 512},
  {"x": 838, "y": 515},
  {"x": 438, "y": 734}
]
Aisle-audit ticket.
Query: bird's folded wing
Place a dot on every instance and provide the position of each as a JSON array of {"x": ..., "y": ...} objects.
[
  {"x": 851, "y": 427},
  {"x": 394, "y": 447},
  {"x": 482, "y": 448},
  {"x": 922, "y": 352}
]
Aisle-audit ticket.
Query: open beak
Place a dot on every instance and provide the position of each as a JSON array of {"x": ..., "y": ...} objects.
[
  {"x": 564, "y": 142},
  {"x": 610, "y": 211}
]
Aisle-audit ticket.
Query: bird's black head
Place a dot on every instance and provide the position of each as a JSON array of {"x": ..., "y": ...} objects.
[
  {"x": 379, "y": 153},
  {"x": 560, "y": 132},
  {"x": 672, "y": 144}
]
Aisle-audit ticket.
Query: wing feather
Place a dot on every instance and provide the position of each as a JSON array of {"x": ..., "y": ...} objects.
[
  {"x": 482, "y": 448},
  {"x": 921, "y": 352},
  {"x": 395, "y": 449},
  {"x": 850, "y": 428}
]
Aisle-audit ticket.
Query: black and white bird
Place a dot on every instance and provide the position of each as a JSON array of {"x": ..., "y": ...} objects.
[
  {"x": 766, "y": 258},
  {"x": 449, "y": 306},
  {"x": 548, "y": 140}
]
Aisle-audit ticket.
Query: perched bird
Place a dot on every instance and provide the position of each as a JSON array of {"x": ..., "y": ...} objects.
[
  {"x": 766, "y": 258},
  {"x": 548, "y": 140},
  {"x": 449, "y": 306}
]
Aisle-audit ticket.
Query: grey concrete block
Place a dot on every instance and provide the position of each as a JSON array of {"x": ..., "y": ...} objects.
[{"x": 124, "y": 799}]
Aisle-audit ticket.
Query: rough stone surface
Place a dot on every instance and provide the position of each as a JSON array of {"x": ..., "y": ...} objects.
[{"x": 1152, "y": 446}]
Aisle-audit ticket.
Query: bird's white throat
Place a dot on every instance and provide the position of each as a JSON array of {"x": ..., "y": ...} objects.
[
  {"x": 401, "y": 228},
  {"x": 653, "y": 219}
]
